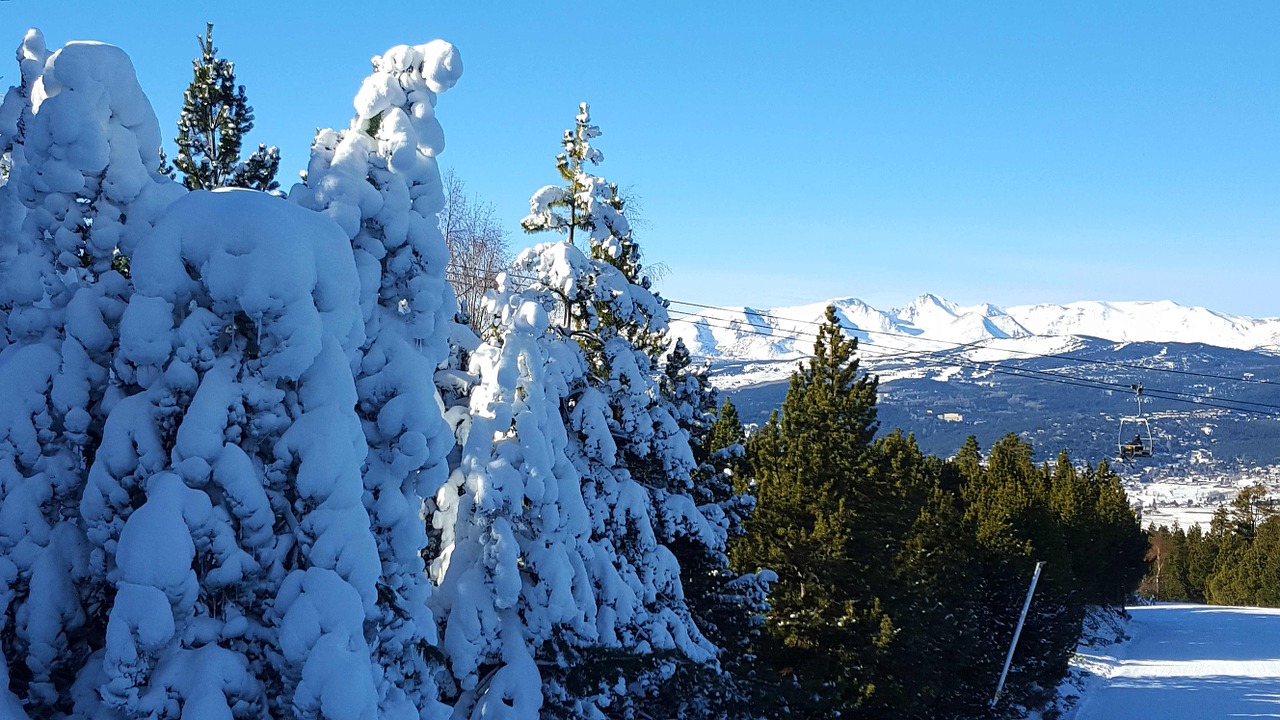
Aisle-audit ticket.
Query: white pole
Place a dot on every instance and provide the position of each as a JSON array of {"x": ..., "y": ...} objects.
[{"x": 1008, "y": 660}]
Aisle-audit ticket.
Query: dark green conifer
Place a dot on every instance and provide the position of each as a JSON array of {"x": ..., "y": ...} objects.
[
  {"x": 1009, "y": 509},
  {"x": 811, "y": 468},
  {"x": 1111, "y": 542},
  {"x": 1201, "y": 552},
  {"x": 215, "y": 118},
  {"x": 948, "y": 655}
]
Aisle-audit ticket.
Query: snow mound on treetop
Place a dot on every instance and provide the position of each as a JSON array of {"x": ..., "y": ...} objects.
[
  {"x": 99, "y": 77},
  {"x": 401, "y": 94},
  {"x": 287, "y": 269}
]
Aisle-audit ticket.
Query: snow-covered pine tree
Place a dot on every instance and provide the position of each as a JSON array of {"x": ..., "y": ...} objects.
[
  {"x": 215, "y": 118},
  {"x": 224, "y": 509},
  {"x": 635, "y": 458},
  {"x": 380, "y": 181},
  {"x": 26, "y": 258},
  {"x": 514, "y": 586},
  {"x": 27, "y": 366},
  {"x": 728, "y": 607},
  {"x": 575, "y": 205},
  {"x": 82, "y": 143}
]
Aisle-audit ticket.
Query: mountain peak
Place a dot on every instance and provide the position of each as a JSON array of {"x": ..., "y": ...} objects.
[{"x": 928, "y": 308}]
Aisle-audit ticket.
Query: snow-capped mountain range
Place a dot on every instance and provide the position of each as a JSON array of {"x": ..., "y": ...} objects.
[
  {"x": 932, "y": 323},
  {"x": 947, "y": 371}
]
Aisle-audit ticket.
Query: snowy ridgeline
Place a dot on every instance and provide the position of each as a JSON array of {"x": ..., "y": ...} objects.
[
  {"x": 251, "y": 467},
  {"x": 930, "y": 323}
]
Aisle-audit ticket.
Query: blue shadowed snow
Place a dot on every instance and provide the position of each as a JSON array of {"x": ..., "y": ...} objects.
[{"x": 1184, "y": 662}]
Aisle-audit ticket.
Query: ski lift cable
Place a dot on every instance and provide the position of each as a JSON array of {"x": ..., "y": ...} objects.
[
  {"x": 965, "y": 363},
  {"x": 1025, "y": 353},
  {"x": 1104, "y": 384},
  {"x": 1171, "y": 395}
]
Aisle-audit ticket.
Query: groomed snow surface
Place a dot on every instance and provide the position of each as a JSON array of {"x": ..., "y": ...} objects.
[{"x": 1184, "y": 662}]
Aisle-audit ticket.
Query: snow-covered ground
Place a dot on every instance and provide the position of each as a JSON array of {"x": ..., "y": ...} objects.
[
  {"x": 1185, "y": 662},
  {"x": 1187, "y": 501},
  {"x": 1192, "y": 499}
]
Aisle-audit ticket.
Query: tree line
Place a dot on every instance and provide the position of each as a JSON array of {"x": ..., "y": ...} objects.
[{"x": 1235, "y": 562}]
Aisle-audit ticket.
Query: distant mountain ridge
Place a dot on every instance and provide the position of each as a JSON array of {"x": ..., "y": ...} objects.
[
  {"x": 936, "y": 363},
  {"x": 931, "y": 322}
]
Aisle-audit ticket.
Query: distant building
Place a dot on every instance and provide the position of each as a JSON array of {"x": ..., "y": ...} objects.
[{"x": 951, "y": 417}]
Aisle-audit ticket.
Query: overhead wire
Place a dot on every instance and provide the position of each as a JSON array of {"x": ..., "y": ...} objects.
[
  {"x": 1033, "y": 373},
  {"x": 1024, "y": 353}
]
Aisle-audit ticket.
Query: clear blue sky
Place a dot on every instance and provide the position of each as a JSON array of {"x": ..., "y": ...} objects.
[{"x": 1009, "y": 152}]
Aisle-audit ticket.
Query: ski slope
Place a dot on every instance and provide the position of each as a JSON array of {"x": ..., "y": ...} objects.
[{"x": 1187, "y": 661}]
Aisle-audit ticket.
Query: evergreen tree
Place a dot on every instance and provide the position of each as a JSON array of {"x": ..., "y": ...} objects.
[
  {"x": 630, "y": 443},
  {"x": 1201, "y": 553},
  {"x": 1249, "y": 509},
  {"x": 215, "y": 118},
  {"x": 1076, "y": 520},
  {"x": 1261, "y": 566},
  {"x": 1114, "y": 539},
  {"x": 379, "y": 180},
  {"x": 1241, "y": 539},
  {"x": 637, "y": 470},
  {"x": 585, "y": 201},
  {"x": 223, "y": 510},
  {"x": 947, "y": 654},
  {"x": 727, "y": 431},
  {"x": 512, "y": 573},
  {"x": 1008, "y": 504},
  {"x": 810, "y": 465},
  {"x": 67, "y": 219}
]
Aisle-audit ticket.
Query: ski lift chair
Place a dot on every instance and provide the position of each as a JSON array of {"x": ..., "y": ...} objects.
[{"x": 1140, "y": 445}]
